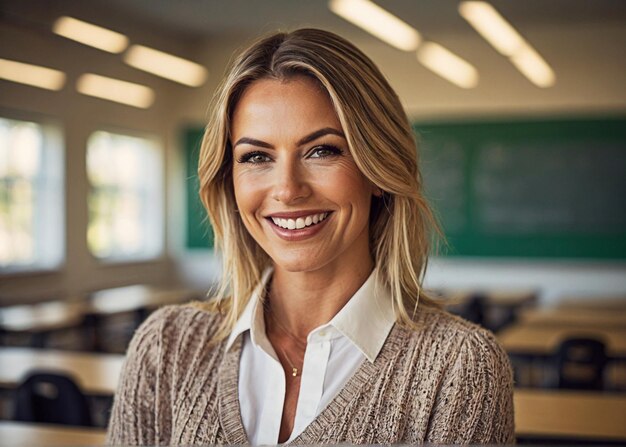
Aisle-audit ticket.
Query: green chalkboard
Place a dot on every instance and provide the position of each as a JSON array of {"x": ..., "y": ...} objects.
[
  {"x": 553, "y": 189},
  {"x": 530, "y": 189},
  {"x": 199, "y": 232}
]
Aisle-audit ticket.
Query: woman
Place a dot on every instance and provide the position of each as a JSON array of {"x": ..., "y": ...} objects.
[{"x": 320, "y": 333}]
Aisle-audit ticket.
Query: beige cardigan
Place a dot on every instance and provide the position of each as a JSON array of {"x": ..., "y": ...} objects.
[{"x": 447, "y": 383}]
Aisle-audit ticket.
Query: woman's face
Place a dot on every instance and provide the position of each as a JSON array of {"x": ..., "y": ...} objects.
[{"x": 297, "y": 187}]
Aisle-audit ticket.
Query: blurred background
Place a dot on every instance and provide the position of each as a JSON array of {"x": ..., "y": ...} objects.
[{"x": 520, "y": 113}]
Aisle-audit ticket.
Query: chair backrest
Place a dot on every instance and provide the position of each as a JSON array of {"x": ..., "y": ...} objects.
[
  {"x": 475, "y": 309},
  {"x": 581, "y": 363},
  {"x": 53, "y": 398}
]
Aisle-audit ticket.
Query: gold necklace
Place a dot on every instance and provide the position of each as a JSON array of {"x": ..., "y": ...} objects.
[{"x": 294, "y": 370}]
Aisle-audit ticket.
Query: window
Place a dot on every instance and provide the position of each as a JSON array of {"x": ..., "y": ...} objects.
[
  {"x": 125, "y": 197},
  {"x": 31, "y": 196}
]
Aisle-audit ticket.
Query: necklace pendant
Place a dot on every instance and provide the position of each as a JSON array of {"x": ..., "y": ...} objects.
[{"x": 294, "y": 372}]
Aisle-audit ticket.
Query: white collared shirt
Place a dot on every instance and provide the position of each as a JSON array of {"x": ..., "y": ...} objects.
[{"x": 334, "y": 352}]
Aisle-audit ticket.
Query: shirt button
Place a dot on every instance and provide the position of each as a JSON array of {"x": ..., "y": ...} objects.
[{"x": 323, "y": 333}]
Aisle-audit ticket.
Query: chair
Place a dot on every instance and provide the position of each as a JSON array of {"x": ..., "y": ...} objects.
[
  {"x": 580, "y": 364},
  {"x": 54, "y": 398},
  {"x": 475, "y": 310}
]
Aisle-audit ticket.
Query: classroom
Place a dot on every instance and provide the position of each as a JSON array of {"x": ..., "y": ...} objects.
[{"x": 518, "y": 114}]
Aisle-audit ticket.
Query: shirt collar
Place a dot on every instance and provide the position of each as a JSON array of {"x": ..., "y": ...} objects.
[
  {"x": 366, "y": 319},
  {"x": 252, "y": 316}
]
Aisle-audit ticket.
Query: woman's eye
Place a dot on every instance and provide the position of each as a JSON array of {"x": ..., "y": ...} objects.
[
  {"x": 324, "y": 151},
  {"x": 254, "y": 157}
]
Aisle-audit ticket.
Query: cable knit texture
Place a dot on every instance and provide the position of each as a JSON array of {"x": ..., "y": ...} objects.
[{"x": 448, "y": 382}]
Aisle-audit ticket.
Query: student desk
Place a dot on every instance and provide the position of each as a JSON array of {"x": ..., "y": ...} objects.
[
  {"x": 570, "y": 317},
  {"x": 136, "y": 297},
  {"x": 501, "y": 298},
  {"x": 497, "y": 307},
  {"x": 136, "y": 301},
  {"x": 41, "y": 319},
  {"x": 541, "y": 341},
  {"x": 614, "y": 304},
  {"x": 96, "y": 374},
  {"x": 27, "y": 434},
  {"x": 570, "y": 414}
]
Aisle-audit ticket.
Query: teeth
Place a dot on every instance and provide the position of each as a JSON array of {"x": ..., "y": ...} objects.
[{"x": 300, "y": 222}]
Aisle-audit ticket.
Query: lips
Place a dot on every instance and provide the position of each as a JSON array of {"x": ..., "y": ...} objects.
[{"x": 295, "y": 226}]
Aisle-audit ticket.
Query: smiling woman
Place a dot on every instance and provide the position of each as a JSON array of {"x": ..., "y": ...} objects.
[{"x": 320, "y": 333}]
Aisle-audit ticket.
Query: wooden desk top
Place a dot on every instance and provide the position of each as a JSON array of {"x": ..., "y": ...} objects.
[
  {"x": 42, "y": 316},
  {"x": 616, "y": 303},
  {"x": 15, "y": 434},
  {"x": 574, "y": 317},
  {"x": 131, "y": 298},
  {"x": 506, "y": 298},
  {"x": 526, "y": 339},
  {"x": 570, "y": 414},
  {"x": 96, "y": 374}
]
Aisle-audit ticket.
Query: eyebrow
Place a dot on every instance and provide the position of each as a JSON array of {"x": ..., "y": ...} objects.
[{"x": 307, "y": 139}]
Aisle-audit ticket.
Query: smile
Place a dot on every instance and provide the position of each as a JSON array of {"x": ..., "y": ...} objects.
[{"x": 300, "y": 222}]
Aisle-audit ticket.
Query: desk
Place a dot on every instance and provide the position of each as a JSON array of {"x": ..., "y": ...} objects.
[
  {"x": 617, "y": 303},
  {"x": 42, "y": 318},
  {"x": 495, "y": 309},
  {"x": 15, "y": 434},
  {"x": 136, "y": 297},
  {"x": 570, "y": 414},
  {"x": 500, "y": 298},
  {"x": 96, "y": 374},
  {"x": 534, "y": 340},
  {"x": 574, "y": 317}
]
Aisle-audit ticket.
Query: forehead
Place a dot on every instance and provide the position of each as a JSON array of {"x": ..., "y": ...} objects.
[{"x": 298, "y": 104}]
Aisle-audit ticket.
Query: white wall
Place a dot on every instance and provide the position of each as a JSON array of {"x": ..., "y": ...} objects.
[
  {"x": 427, "y": 97},
  {"x": 78, "y": 117}
]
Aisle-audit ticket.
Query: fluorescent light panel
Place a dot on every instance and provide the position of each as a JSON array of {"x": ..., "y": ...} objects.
[
  {"x": 378, "y": 22},
  {"x": 123, "y": 92},
  {"x": 166, "y": 65},
  {"x": 496, "y": 30},
  {"x": 32, "y": 75},
  {"x": 89, "y": 34},
  {"x": 492, "y": 26},
  {"x": 447, "y": 65},
  {"x": 534, "y": 67}
]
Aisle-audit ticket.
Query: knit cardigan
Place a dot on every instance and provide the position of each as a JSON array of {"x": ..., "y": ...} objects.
[{"x": 448, "y": 382}]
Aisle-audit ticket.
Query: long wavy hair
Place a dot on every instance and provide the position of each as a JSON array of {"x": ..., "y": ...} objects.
[{"x": 402, "y": 227}]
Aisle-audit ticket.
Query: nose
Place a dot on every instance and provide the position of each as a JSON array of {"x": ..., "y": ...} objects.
[{"x": 290, "y": 182}]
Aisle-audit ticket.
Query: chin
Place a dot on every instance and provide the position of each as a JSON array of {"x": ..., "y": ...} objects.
[{"x": 297, "y": 264}]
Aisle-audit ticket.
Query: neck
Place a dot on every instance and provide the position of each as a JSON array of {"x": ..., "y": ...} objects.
[{"x": 303, "y": 301}]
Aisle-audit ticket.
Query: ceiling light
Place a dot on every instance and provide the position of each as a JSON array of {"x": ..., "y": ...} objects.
[
  {"x": 447, "y": 65},
  {"x": 377, "y": 21},
  {"x": 33, "y": 75},
  {"x": 492, "y": 26},
  {"x": 89, "y": 34},
  {"x": 534, "y": 67},
  {"x": 124, "y": 92},
  {"x": 166, "y": 65},
  {"x": 496, "y": 30}
]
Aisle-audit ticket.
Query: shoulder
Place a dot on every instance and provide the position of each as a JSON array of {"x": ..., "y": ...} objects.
[
  {"x": 180, "y": 325},
  {"x": 455, "y": 339}
]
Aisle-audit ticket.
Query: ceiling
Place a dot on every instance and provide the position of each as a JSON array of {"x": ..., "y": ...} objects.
[{"x": 583, "y": 41}]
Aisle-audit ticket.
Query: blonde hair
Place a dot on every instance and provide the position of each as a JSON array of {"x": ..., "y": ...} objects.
[{"x": 381, "y": 142}]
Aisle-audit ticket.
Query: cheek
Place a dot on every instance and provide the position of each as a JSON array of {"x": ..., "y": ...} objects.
[{"x": 248, "y": 195}]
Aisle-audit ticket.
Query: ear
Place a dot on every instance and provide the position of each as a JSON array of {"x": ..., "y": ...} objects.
[{"x": 377, "y": 192}]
